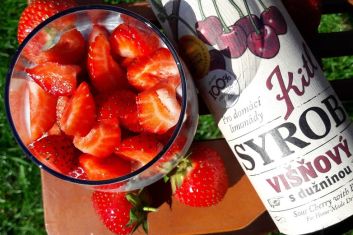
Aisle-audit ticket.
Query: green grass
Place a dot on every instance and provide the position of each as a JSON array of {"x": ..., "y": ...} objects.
[
  {"x": 21, "y": 209},
  {"x": 339, "y": 67}
]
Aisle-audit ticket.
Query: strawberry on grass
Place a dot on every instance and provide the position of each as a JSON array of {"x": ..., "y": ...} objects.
[
  {"x": 54, "y": 78},
  {"x": 158, "y": 108},
  {"x": 37, "y": 12},
  {"x": 42, "y": 110},
  {"x": 105, "y": 73},
  {"x": 57, "y": 152},
  {"x": 146, "y": 72},
  {"x": 79, "y": 114},
  {"x": 200, "y": 180},
  {"x": 101, "y": 140}
]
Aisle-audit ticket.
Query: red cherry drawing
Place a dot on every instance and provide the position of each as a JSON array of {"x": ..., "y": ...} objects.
[
  {"x": 209, "y": 29},
  {"x": 233, "y": 43},
  {"x": 245, "y": 23},
  {"x": 274, "y": 18},
  {"x": 265, "y": 43}
]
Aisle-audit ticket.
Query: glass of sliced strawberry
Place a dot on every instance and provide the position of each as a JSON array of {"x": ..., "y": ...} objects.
[{"x": 96, "y": 95}]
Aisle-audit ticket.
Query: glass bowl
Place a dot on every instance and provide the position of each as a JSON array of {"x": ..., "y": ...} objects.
[{"x": 83, "y": 18}]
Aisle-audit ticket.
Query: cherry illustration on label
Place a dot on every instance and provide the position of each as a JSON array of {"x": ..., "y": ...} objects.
[
  {"x": 265, "y": 43},
  {"x": 274, "y": 18},
  {"x": 209, "y": 29},
  {"x": 245, "y": 23},
  {"x": 233, "y": 43}
]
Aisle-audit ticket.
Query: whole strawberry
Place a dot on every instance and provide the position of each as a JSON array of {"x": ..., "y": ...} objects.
[
  {"x": 201, "y": 179},
  {"x": 122, "y": 213},
  {"x": 37, "y": 12}
]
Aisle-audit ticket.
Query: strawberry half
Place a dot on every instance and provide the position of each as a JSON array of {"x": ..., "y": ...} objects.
[
  {"x": 37, "y": 12},
  {"x": 70, "y": 49},
  {"x": 104, "y": 168},
  {"x": 141, "y": 148},
  {"x": 79, "y": 114},
  {"x": 158, "y": 108},
  {"x": 97, "y": 30},
  {"x": 102, "y": 139},
  {"x": 121, "y": 105},
  {"x": 201, "y": 179},
  {"x": 60, "y": 107},
  {"x": 42, "y": 110},
  {"x": 57, "y": 152},
  {"x": 129, "y": 41},
  {"x": 54, "y": 78},
  {"x": 146, "y": 72},
  {"x": 105, "y": 73}
]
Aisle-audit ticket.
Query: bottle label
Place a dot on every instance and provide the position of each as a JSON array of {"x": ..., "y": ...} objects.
[{"x": 280, "y": 116}]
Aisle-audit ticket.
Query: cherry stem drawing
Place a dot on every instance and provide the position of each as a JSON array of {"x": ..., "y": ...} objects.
[
  {"x": 224, "y": 25},
  {"x": 251, "y": 19},
  {"x": 241, "y": 14}
]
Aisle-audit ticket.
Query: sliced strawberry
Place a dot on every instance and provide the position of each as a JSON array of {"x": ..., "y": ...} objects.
[
  {"x": 146, "y": 72},
  {"x": 97, "y": 30},
  {"x": 105, "y": 73},
  {"x": 60, "y": 107},
  {"x": 18, "y": 100},
  {"x": 102, "y": 139},
  {"x": 158, "y": 109},
  {"x": 34, "y": 47},
  {"x": 104, "y": 168},
  {"x": 57, "y": 152},
  {"x": 122, "y": 105},
  {"x": 141, "y": 148},
  {"x": 55, "y": 130},
  {"x": 42, "y": 110},
  {"x": 79, "y": 114},
  {"x": 129, "y": 41},
  {"x": 78, "y": 173},
  {"x": 70, "y": 49},
  {"x": 54, "y": 78}
]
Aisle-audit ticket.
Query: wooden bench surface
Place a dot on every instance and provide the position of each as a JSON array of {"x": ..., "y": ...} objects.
[{"x": 68, "y": 209}]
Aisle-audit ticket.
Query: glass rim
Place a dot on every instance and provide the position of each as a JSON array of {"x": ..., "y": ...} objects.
[{"x": 161, "y": 36}]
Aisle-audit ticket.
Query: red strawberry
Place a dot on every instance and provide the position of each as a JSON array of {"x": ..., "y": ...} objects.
[
  {"x": 79, "y": 114},
  {"x": 18, "y": 102},
  {"x": 121, "y": 213},
  {"x": 104, "y": 168},
  {"x": 54, "y": 78},
  {"x": 142, "y": 148},
  {"x": 34, "y": 47},
  {"x": 147, "y": 72},
  {"x": 37, "y": 12},
  {"x": 122, "y": 105},
  {"x": 54, "y": 130},
  {"x": 42, "y": 110},
  {"x": 201, "y": 179},
  {"x": 56, "y": 152},
  {"x": 105, "y": 73},
  {"x": 102, "y": 139},
  {"x": 70, "y": 49},
  {"x": 96, "y": 30},
  {"x": 158, "y": 109},
  {"x": 78, "y": 173},
  {"x": 60, "y": 107},
  {"x": 129, "y": 41}
]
